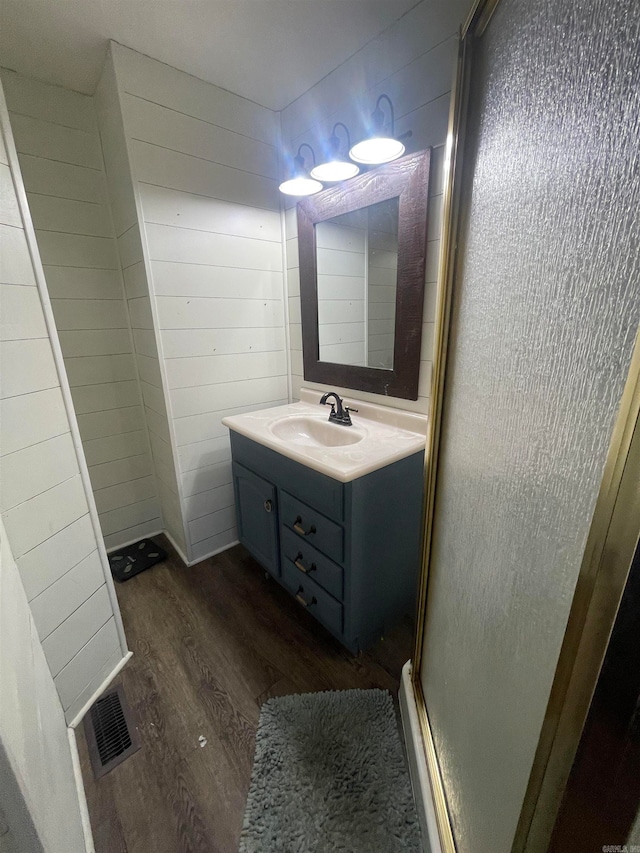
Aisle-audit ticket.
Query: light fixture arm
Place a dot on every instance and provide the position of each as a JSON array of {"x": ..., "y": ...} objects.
[
  {"x": 378, "y": 114},
  {"x": 299, "y": 159},
  {"x": 334, "y": 140}
]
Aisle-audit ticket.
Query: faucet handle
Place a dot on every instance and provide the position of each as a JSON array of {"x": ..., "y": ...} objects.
[{"x": 346, "y": 418}]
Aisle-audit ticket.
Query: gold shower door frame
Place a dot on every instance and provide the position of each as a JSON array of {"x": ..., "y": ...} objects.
[{"x": 611, "y": 543}]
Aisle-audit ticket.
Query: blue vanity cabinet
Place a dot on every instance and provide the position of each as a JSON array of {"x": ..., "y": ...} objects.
[
  {"x": 257, "y": 517},
  {"x": 349, "y": 553}
]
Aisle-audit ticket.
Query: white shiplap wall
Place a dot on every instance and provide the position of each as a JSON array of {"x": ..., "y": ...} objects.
[
  {"x": 382, "y": 284},
  {"x": 145, "y": 345},
  {"x": 46, "y": 501},
  {"x": 413, "y": 62},
  {"x": 58, "y": 143},
  {"x": 341, "y": 249},
  {"x": 204, "y": 163},
  {"x": 35, "y": 760}
]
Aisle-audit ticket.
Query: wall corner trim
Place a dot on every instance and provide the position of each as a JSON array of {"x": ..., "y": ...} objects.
[
  {"x": 418, "y": 770},
  {"x": 178, "y": 549}
]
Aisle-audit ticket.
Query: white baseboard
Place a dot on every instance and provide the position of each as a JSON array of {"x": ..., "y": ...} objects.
[
  {"x": 82, "y": 797},
  {"x": 75, "y": 758},
  {"x": 166, "y": 533},
  {"x": 213, "y": 553},
  {"x": 176, "y": 547},
  {"x": 133, "y": 541},
  {"x": 77, "y": 719},
  {"x": 418, "y": 764}
]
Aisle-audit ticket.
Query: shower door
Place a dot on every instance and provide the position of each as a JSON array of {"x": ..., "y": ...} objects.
[{"x": 544, "y": 312}]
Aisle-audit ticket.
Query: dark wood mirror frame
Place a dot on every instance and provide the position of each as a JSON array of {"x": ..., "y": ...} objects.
[{"x": 407, "y": 179}]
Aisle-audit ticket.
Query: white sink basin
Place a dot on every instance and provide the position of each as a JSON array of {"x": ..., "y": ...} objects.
[
  {"x": 301, "y": 431},
  {"x": 314, "y": 432}
]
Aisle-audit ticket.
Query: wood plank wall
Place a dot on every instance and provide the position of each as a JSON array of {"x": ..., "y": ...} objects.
[
  {"x": 342, "y": 281},
  {"x": 412, "y": 62},
  {"x": 35, "y": 759},
  {"x": 43, "y": 500},
  {"x": 382, "y": 287},
  {"x": 58, "y": 143},
  {"x": 205, "y": 168},
  {"x": 145, "y": 333}
]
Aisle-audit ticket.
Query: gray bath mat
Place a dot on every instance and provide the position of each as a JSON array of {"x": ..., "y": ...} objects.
[{"x": 329, "y": 775}]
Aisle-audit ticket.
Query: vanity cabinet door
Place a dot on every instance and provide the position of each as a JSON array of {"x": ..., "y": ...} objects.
[{"x": 257, "y": 515}]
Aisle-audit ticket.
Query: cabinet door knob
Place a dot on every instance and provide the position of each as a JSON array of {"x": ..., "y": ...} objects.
[
  {"x": 300, "y": 565},
  {"x": 297, "y": 526},
  {"x": 268, "y": 506},
  {"x": 300, "y": 597}
]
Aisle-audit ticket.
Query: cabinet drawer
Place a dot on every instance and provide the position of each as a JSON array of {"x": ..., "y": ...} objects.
[
  {"x": 309, "y": 562},
  {"x": 311, "y": 596},
  {"x": 312, "y": 527}
]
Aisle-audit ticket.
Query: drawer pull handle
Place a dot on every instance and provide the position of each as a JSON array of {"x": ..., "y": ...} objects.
[
  {"x": 268, "y": 506},
  {"x": 297, "y": 526},
  {"x": 302, "y": 600},
  {"x": 300, "y": 565}
]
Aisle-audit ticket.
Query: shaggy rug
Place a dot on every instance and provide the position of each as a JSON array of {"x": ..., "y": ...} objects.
[{"x": 330, "y": 775}]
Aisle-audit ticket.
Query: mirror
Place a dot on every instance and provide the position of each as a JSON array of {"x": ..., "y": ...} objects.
[
  {"x": 362, "y": 249},
  {"x": 357, "y": 270}
]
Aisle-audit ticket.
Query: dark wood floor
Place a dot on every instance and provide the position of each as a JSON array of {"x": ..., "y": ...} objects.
[{"x": 211, "y": 644}]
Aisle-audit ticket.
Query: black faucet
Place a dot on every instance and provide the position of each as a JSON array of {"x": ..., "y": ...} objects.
[{"x": 339, "y": 413}]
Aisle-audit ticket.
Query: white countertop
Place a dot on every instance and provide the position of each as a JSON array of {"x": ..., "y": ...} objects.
[{"x": 386, "y": 435}]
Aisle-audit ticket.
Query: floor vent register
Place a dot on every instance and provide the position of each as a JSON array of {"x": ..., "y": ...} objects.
[{"x": 110, "y": 731}]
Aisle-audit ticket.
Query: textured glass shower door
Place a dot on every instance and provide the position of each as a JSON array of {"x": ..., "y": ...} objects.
[{"x": 544, "y": 315}]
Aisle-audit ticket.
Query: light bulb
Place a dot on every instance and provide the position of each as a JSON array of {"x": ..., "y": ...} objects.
[
  {"x": 378, "y": 149},
  {"x": 335, "y": 170},
  {"x": 300, "y": 186}
]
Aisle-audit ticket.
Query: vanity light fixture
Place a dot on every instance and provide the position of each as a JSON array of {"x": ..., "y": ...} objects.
[
  {"x": 378, "y": 147},
  {"x": 337, "y": 167},
  {"x": 300, "y": 183}
]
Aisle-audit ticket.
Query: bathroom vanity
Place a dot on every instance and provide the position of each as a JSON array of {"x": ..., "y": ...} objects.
[{"x": 333, "y": 512}]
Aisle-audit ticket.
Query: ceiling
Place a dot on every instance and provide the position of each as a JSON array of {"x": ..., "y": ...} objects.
[{"x": 270, "y": 51}]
